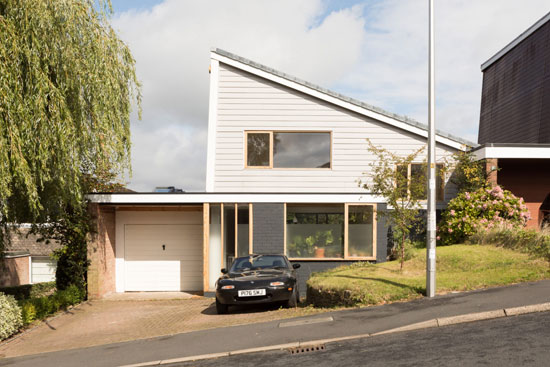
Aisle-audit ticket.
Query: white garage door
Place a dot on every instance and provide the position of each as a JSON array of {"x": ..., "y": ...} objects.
[
  {"x": 42, "y": 270},
  {"x": 163, "y": 257}
]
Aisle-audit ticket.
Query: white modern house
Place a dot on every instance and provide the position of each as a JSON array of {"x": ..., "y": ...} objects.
[{"x": 284, "y": 157}]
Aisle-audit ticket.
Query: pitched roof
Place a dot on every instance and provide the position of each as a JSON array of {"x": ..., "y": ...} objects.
[
  {"x": 516, "y": 41},
  {"x": 400, "y": 121},
  {"x": 25, "y": 242}
]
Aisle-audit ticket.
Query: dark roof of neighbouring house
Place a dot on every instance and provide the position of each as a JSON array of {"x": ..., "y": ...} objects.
[
  {"x": 22, "y": 241},
  {"x": 400, "y": 118}
]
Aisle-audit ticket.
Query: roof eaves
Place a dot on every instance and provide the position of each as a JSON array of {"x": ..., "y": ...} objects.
[{"x": 400, "y": 118}]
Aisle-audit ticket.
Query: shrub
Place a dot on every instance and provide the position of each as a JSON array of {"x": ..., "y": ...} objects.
[
  {"x": 528, "y": 240},
  {"x": 26, "y": 291},
  {"x": 71, "y": 232},
  {"x": 10, "y": 316},
  {"x": 28, "y": 312},
  {"x": 41, "y": 307},
  {"x": 469, "y": 174},
  {"x": 485, "y": 207}
]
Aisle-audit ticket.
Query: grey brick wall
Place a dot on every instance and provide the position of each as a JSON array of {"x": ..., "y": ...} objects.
[
  {"x": 268, "y": 227},
  {"x": 381, "y": 235},
  {"x": 308, "y": 267}
]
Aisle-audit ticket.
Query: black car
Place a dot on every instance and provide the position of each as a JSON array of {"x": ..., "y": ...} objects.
[{"x": 257, "y": 279}]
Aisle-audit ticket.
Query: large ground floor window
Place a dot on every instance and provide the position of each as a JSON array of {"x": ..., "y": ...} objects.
[{"x": 330, "y": 231}]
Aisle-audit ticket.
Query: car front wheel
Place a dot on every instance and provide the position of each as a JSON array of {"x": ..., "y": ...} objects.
[
  {"x": 221, "y": 309},
  {"x": 293, "y": 300}
]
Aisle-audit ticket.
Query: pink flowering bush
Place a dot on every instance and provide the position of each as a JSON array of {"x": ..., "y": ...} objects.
[{"x": 484, "y": 208}]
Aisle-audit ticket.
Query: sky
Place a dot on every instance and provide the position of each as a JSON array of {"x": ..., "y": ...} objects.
[{"x": 375, "y": 51}]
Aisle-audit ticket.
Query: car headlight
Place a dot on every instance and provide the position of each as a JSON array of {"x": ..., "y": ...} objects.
[
  {"x": 228, "y": 287},
  {"x": 276, "y": 284}
]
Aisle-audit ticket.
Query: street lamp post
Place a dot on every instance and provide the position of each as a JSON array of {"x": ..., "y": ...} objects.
[{"x": 431, "y": 233}]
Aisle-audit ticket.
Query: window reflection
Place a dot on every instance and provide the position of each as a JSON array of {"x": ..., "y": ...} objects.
[
  {"x": 258, "y": 149},
  {"x": 301, "y": 150}
]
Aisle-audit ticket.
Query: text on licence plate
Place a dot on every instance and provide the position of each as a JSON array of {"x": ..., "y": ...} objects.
[{"x": 252, "y": 293}]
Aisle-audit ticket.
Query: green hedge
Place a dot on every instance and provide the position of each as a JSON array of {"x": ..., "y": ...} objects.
[
  {"x": 40, "y": 307},
  {"x": 10, "y": 316},
  {"x": 26, "y": 291}
]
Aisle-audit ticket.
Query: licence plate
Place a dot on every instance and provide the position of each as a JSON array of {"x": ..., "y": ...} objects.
[{"x": 252, "y": 293}]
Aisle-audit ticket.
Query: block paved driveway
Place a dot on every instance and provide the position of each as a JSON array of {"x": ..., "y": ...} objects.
[{"x": 110, "y": 321}]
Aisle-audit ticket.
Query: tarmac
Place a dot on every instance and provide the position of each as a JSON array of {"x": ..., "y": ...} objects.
[{"x": 307, "y": 332}]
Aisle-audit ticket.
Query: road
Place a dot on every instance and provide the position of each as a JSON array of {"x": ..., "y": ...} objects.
[
  {"x": 511, "y": 341},
  {"x": 366, "y": 320}
]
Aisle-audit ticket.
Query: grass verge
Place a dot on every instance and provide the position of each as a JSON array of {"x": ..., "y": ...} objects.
[{"x": 459, "y": 268}]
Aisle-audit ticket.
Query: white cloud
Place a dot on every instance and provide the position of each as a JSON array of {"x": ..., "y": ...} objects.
[
  {"x": 393, "y": 69},
  {"x": 376, "y": 53}
]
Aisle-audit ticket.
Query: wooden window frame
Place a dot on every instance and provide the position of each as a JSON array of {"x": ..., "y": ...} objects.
[
  {"x": 374, "y": 232},
  {"x": 346, "y": 256},
  {"x": 270, "y": 166},
  {"x": 250, "y": 226},
  {"x": 409, "y": 177},
  {"x": 271, "y": 147},
  {"x": 250, "y": 229}
]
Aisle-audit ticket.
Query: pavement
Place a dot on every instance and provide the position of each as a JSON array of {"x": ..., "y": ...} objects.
[{"x": 339, "y": 325}]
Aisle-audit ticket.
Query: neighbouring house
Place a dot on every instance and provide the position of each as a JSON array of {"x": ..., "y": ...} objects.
[
  {"x": 283, "y": 161},
  {"x": 27, "y": 261},
  {"x": 514, "y": 126}
]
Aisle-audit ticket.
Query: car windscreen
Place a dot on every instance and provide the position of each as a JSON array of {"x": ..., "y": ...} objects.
[{"x": 258, "y": 262}]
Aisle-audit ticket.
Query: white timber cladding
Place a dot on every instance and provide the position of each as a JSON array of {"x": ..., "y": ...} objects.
[
  {"x": 247, "y": 102},
  {"x": 159, "y": 251}
]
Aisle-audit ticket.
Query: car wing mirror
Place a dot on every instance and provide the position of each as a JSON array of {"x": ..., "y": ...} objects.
[
  {"x": 224, "y": 271},
  {"x": 296, "y": 266}
]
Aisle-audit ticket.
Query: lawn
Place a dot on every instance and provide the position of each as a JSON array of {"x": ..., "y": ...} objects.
[{"x": 459, "y": 268}]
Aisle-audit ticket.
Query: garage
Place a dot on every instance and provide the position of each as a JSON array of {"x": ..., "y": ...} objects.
[
  {"x": 162, "y": 250},
  {"x": 42, "y": 269}
]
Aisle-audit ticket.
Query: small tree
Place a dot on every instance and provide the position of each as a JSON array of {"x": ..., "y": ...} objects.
[
  {"x": 389, "y": 178},
  {"x": 468, "y": 174}
]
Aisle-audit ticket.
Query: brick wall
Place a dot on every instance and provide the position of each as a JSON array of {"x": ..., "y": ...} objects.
[
  {"x": 381, "y": 235},
  {"x": 14, "y": 271},
  {"x": 308, "y": 267},
  {"x": 101, "y": 252},
  {"x": 491, "y": 167},
  {"x": 268, "y": 228}
]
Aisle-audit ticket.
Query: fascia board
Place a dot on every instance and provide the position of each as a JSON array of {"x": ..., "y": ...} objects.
[
  {"x": 167, "y": 199},
  {"x": 513, "y": 152},
  {"x": 212, "y": 125}
]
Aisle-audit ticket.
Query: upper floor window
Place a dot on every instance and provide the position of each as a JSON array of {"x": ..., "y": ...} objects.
[
  {"x": 288, "y": 149},
  {"x": 417, "y": 172}
]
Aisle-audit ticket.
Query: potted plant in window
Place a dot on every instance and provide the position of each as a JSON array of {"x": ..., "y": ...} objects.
[
  {"x": 322, "y": 240},
  {"x": 302, "y": 247}
]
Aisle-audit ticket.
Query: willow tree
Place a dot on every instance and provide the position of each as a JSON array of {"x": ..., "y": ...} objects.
[{"x": 67, "y": 85}]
